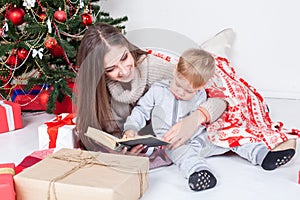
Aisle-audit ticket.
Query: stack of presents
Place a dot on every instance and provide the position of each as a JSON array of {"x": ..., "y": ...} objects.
[{"x": 61, "y": 170}]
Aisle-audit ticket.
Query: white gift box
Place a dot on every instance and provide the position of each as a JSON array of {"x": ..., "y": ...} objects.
[{"x": 65, "y": 136}]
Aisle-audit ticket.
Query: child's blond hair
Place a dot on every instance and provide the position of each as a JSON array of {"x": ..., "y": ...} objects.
[{"x": 197, "y": 66}]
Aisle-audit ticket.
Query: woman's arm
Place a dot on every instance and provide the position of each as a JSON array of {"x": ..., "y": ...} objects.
[
  {"x": 214, "y": 107},
  {"x": 208, "y": 112}
]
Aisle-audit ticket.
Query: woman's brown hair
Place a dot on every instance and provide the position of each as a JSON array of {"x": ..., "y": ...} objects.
[{"x": 93, "y": 98}]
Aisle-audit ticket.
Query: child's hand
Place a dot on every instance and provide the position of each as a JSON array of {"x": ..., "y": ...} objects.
[
  {"x": 182, "y": 130},
  {"x": 129, "y": 134}
]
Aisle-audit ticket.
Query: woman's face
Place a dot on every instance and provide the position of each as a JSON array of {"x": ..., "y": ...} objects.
[{"x": 119, "y": 64}]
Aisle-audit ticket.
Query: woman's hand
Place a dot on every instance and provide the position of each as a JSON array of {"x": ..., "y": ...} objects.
[
  {"x": 134, "y": 151},
  {"x": 184, "y": 129}
]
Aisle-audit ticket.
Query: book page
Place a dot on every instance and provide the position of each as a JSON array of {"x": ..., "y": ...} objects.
[{"x": 102, "y": 137}]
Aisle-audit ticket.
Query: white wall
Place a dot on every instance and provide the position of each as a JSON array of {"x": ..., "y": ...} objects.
[{"x": 267, "y": 34}]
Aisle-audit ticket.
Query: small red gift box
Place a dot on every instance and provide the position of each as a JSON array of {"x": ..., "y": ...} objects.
[
  {"x": 10, "y": 116},
  {"x": 34, "y": 99},
  {"x": 7, "y": 190},
  {"x": 32, "y": 159},
  {"x": 66, "y": 105}
]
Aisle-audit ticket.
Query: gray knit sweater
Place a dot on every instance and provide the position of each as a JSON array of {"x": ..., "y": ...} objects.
[{"x": 150, "y": 69}]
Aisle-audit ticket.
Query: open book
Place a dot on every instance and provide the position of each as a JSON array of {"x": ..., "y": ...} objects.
[{"x": 118, "y": 144}]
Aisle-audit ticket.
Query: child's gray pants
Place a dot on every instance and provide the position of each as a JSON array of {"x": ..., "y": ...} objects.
[{"x": 190, "y": 157}]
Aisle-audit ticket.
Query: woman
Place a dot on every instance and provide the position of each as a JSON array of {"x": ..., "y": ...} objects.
[{"x": 113, "y": 75}]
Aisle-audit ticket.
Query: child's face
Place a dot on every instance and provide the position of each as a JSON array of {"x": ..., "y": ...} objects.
[{"x": 182, "y": 88}]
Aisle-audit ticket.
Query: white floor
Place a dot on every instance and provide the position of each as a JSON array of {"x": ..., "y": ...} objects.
[{"x": 237, "y": 178}]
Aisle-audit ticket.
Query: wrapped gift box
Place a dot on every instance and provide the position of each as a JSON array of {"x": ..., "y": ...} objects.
[
  {"x": 32, "y": 100},
  {"x": 58, "y": 133},
  {"x": 7, "y": 190},
  {"x": 36, "y": 99},
  {"x": 66, "y": 106},
  {"x": 10, "y": 116},
  {"x": 75, "y": 174},
  {"x": 32, "y": 159}
]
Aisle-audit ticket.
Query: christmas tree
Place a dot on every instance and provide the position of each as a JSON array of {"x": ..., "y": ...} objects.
[{"x": 39, "y": 42}]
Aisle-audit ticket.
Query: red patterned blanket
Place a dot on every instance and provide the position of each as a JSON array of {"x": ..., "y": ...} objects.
[{"x": 247, "y": 118}]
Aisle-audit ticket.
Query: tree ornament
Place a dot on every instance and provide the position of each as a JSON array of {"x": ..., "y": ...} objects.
[
  {"x": 57, "y": 51},
  {"x": 43, "y": 97},
  {"x": 50, "y": 42},
  {"x": 42, "y": 17},
  {"x": 29, "y": 3},
  {"x": 60, "y": 15},
  {"x": 86, "y": 19},
  {"x": 12, "y": 61},
  {"x": 22, "y": 53},
  {"x": 16, "y": 15},
  {"x": 38, "y": 53}
]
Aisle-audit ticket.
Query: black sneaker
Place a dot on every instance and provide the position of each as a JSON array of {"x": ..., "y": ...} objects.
[
  {"x": 275, "y": 159},
  {"x": 202, "y": 180}
]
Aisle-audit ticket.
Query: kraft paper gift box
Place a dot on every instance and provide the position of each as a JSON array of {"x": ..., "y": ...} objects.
[
  {"x": 76, "y": 174},
  {"x": 58, "y": 133},
  {"x": 10, "y": 116},
  {"x": 7, "y": 190}
]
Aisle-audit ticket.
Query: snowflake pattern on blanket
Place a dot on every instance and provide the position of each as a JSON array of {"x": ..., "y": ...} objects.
[{"x": 246, "y": 119}]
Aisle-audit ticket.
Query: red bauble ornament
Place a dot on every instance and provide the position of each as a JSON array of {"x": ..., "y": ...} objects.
[
  {"x": 57, "y": 51},
  {"x": 50, "y": 42},
  {"x": 16, "y": 15},
  {"x": 86, "y": 19},
  {"x": 60, "y": 16},
  {"x": 12, "y": 61},
  {"x": 42, "y": 17},
  {"x": 43, "y": 97},
  {"x": 22, "y": 53}
]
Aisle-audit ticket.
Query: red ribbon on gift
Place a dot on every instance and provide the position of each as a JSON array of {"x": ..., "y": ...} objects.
[{"x": 55, "y": 125}]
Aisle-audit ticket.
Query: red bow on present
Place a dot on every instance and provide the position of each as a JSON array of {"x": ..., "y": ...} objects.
[{"x": 55, "y": 125}]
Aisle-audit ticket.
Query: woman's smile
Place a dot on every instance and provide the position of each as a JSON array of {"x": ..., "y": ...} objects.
[{"x": 119, "y": 64}]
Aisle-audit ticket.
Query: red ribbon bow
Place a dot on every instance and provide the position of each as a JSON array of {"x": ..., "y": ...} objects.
[{"x": 55, "y": 125}]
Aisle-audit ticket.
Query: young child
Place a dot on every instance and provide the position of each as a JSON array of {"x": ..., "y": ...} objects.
[{"x": 167, "y": 102}]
